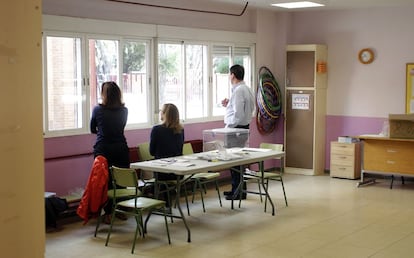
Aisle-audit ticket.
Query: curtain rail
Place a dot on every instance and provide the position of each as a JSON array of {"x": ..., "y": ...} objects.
[{"x": 181, "y": 9}]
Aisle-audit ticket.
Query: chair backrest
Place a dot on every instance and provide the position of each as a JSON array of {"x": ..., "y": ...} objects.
[
  {"x": 124, "y": 177},
  {"x": 143, "y": 151},
  {"x": 187, "y": 149},
  {"x": 272, "y": 146}
]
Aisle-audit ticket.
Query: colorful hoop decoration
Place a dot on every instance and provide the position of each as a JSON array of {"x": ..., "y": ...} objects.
[{"x": 268, "y": 98}]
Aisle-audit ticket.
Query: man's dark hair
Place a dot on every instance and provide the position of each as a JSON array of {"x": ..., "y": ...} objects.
[{"x": 238, "y": 71}]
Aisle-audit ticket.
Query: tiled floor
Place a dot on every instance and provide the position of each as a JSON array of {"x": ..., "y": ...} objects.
[{"x": 326, "y": 217}]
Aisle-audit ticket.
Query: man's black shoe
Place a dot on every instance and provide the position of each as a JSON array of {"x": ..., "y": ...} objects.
[
  {"x": 229, "y": 197},
  {"x": 228, "y": 193}
]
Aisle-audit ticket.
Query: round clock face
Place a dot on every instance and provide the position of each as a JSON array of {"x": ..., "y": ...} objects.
[{"x": 366, "y": 56}]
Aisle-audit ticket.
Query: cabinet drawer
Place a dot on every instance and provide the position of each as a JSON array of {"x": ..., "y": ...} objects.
[
  {"x": 389, "y": 156},
  {"x": 343, "y": 148},
  {"x": 343, "y": 160},
  {"x": 344, "y": 172}
]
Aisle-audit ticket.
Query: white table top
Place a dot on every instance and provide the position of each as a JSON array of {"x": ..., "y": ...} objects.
[{"x": 207, "y": 161}]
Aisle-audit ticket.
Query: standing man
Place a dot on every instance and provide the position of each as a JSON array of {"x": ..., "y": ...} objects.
[{"x": 239, "y": 110}]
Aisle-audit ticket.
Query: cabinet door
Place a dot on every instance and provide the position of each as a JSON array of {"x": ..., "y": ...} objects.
[
  {"x": 299, "y": 128},
  {"x": 300, "y": 70}
]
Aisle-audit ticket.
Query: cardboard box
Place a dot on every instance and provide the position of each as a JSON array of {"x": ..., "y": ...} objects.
[
  {"x": 216, "y": 139},
  {"x": 401, "y": 125}
]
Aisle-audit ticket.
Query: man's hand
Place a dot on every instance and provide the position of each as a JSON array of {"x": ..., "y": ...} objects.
[{"x": 224, "y": 102}]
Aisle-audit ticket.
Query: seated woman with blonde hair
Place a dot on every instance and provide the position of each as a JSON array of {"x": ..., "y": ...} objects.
[{"x": 167, "y": 138}]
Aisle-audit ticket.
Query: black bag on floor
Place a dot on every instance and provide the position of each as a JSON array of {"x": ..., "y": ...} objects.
[{"x": 53, "y": 207}]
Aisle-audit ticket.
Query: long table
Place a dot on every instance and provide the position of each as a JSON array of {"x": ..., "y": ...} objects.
[{"x": 205, "y": 161}]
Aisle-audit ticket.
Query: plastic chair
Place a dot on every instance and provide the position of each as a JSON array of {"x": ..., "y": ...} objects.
[
  {"x": 137, "y": 206},
  {"x": 167, "y": 185},
  {"x": 201, "y": 180},
  {"x": 270, "y": 174},
  {"x": 121, "y": 194}
]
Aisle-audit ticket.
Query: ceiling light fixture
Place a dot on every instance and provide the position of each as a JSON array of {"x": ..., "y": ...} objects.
[{"x": 303, "y": 4}]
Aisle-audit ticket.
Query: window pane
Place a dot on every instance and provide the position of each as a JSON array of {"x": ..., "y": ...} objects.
[
  {"x": 242, "y": 57},
  {"x": 64, "y": 87},
  {"x": 170, "y": 82},
  {"x": 103, "y": 66},
  {"x": 135, "y": 81},
  {"x": 196, "y": 81},
  {"x": 221, "y": 83}
]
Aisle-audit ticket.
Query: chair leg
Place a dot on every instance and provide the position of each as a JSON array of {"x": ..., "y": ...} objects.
[
  {"x": 284, "y": 193},
  {"x": 110, "y": 227},
  {"x": 194, "y": 190},
  {"x": 186, "y": 200},
  {"x": 164, "y": 212},
  {"x": 218, "y": 192},
  {"x": 144, "y": 227},
  {"x": 266, "y": 184},
  {"x": 205, "y": 188},
  {"x": 200, "y": 187},
  {"x": 166, "y": 225},
  {"x": 167, "y": 192},
  {"x": 98, "y": 222},
  {"x": 260, "y": 190},
  {"x": 138, "y": 219}
]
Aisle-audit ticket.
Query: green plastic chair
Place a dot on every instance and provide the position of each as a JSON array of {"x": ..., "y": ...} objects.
[
  {"x": 121, "y": 194},
  {"x": 201, "y": 180},
  {"x": 169, "y": 185},
  {"x": 127, "y": 177},
  {"x": 270, "y": 174}
]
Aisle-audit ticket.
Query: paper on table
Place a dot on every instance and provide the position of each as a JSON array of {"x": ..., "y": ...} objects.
[
  {"x": 255, "y": 150},
  {"x": 183, "y": 164},
  {"x": 181, "y": 160},
  {"x": 175, "y": 162}
]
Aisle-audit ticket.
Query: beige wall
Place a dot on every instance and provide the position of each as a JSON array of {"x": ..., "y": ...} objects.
[
  {"x": 22, "y": 231},
  {"x": 105, "y": 10},
  {"x": 355, "y": 89}
]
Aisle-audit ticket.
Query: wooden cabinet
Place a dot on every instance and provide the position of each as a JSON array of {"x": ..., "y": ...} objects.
[
  {"x": 345, "y": 160},
  {"x": 305, "y": 109}
]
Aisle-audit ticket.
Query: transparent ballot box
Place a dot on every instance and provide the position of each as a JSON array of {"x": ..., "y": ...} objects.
[{"x": 219, "y": 138}]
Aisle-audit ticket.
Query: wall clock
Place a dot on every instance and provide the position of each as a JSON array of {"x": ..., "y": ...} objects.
[{"x": 366, "y": 55}]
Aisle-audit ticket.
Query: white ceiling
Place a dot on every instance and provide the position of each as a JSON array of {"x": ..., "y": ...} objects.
[{"x": 329, "y": 4}]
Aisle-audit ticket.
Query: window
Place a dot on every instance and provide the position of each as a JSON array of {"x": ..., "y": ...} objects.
[
  {"x": 71, "y": 93},
  {"x": 104, "y": 66},
  {"x": 191, "y": 74},
  {"x": 63, "y": 97},
  {"x": 221, "y": 85},
  {"x": 223, "y": 57},
  {"x": 182, "y": 78}
]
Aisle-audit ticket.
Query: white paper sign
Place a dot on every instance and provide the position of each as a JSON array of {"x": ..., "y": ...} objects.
[{"x": 300, "y": 101}]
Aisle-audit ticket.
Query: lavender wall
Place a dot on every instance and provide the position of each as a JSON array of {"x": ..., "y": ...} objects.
[{"x": 68, "y": 159}]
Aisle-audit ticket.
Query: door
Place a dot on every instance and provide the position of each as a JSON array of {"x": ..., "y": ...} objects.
[{"x": 299, "y": 128}]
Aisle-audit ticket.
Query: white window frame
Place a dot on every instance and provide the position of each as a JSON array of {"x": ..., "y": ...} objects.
[{"x": 124, "y": 31}]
